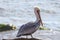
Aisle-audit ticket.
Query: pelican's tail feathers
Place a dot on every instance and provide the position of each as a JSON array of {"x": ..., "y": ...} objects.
[{"x": 18, "y": 35}]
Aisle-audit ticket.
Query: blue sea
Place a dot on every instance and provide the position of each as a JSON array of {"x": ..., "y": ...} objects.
[{"x": 19, "y": 12}]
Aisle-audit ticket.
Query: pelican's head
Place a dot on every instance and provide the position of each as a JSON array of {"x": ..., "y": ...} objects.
[
  {"x": 36, "y": 8},
  {"x": 37, "y": 12}
]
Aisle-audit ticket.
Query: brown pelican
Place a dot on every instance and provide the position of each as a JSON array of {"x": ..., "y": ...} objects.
[{"x": 30, "y": 27}]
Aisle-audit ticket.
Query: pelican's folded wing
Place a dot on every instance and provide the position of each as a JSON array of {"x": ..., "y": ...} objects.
[{"x": 26, "y": 28}]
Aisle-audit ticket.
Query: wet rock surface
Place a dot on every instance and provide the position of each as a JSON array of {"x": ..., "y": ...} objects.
[{"x": 23, "y": 39}]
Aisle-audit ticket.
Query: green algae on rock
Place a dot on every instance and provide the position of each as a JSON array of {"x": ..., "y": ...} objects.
[
  {"x": 5, "y": 27},
  {"x": 44, "y": 28}
]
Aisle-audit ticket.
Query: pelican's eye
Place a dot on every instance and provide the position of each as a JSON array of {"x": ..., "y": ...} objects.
[{"x": 38, "y": 11}]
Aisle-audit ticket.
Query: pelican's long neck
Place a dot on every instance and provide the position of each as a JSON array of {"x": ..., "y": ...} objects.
[{"x": 38, "y": 17}]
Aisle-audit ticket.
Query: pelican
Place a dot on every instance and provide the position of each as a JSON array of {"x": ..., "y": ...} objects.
[{"x": 31, "y": 27}]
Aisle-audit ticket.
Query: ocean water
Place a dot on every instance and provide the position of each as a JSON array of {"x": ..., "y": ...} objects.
[{"x": 19, "y": 12}]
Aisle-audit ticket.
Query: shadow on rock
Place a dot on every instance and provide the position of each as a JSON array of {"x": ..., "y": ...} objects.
[{"x": 22, "y": 39}]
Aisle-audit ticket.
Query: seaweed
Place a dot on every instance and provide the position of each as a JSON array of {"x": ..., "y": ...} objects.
[
  {"x": 43, "y": 28},
  {"x": 4, "y": 27}
]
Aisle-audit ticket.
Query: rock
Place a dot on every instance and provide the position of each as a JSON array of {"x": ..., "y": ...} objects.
[
  {"x": 22, "y": 39},
  {"x": 4, "y": 27}
]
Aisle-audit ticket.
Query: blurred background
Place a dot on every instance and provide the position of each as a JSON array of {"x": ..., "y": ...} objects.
[{"x": 18, "y": 12}]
